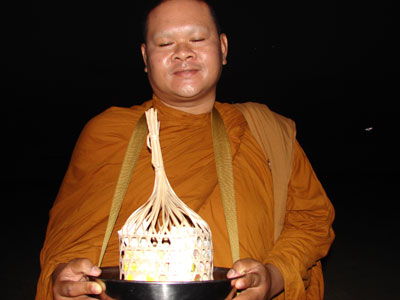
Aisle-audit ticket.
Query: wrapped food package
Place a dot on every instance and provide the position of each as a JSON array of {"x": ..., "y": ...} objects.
[{"x": 164, "y": 240}]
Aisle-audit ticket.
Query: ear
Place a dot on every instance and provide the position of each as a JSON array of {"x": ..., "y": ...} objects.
[
  {"x": 144, "y": 55},
  {"x": 224, "y": 47}
]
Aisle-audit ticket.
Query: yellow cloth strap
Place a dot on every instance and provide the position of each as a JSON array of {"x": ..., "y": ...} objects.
[
  {"x": 223, "y": 160},
  {"x": 135, "y": 146}
]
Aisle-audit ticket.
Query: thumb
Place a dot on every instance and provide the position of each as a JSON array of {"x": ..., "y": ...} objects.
[
  {"x": 77, "y": 270},
  {"x": 83, "y": 266}
]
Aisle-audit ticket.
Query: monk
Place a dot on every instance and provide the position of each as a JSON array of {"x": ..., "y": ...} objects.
[{"x": 184, "y": 54}]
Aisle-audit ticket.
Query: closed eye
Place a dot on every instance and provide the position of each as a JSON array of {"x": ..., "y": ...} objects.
[
  {"x": 164, "y": 44},
  {"x": 198, "y": 40}
]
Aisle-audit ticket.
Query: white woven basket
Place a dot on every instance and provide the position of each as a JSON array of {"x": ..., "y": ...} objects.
[{"x": 164, "y": 240}]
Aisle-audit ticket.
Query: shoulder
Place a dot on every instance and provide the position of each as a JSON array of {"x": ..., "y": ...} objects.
[
  {"x": 231, "y": 116},
  {"x": 264, "y": 113},
  {"x": 272, "y": 131},
  {"x": 115, "y": 122}
]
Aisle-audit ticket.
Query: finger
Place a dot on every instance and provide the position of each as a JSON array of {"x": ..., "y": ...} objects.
[
  {"x": 243, "y": 266},
  {"x": 103, "y": 296},
  {"x": 84, "y": 266},
  {"x": 79, "y": 288},
  {"x": 232, "y": 273},
  {"x": 248, "y": 281},
  {"x": 238, "y": 269},
  {"x": 232, "y": 294},
  {"x": 247, "y": 294}
]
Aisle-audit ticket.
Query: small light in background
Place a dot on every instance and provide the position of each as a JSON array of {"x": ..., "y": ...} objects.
[{"x": 368, "y": 129}]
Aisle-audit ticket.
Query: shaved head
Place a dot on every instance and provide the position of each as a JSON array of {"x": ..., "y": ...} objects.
[{"x": 155, "y": 3}]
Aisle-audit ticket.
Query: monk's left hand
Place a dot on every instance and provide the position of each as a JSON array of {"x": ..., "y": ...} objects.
[{"x": 260, "y": 282}]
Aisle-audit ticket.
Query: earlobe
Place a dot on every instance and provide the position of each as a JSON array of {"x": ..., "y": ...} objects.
[
  {"x": 144, "y": 56},
  {"x": 224, "y": 48}
]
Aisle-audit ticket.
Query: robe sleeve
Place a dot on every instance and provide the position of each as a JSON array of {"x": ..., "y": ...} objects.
[{"x": 307, "y": 233}]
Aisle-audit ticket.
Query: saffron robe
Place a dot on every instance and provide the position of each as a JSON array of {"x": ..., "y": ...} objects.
[{"x": 79, "y": 216}]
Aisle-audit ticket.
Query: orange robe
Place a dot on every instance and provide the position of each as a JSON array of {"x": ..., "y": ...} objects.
[{"x": 79, "y": 215}]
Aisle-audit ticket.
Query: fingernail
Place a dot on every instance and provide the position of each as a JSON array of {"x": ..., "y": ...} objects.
[
  {"x": 96, "y": 289},
  {"x": 231, "y": 273},
  {"x": 95, "y": 271}
]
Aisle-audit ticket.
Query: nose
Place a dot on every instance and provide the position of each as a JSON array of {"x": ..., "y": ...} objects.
[{"x": 183, "y": 52}]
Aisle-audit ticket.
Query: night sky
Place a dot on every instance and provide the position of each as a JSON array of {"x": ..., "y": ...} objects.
[{"x": 331, "y": 66}]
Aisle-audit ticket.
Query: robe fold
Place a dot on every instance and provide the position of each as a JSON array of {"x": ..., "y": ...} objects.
[{"x": 79, "y": 216}]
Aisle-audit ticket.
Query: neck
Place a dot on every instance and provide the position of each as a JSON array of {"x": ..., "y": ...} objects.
[{"x": 192, "y": 107}]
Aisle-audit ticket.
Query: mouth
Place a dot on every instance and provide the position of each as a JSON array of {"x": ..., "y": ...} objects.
[{"x": 186, "y": 73}]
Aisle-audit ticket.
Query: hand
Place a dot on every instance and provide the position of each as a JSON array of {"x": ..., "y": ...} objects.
[
  {"x": 70, "y": 280},
  {"x": 259, "y": 283}
]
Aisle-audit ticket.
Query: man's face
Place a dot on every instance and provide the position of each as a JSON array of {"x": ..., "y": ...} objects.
[{"x": 183, "y": 52}]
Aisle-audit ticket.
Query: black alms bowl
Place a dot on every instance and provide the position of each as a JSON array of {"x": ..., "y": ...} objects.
[{"x": 116, "y": 289}]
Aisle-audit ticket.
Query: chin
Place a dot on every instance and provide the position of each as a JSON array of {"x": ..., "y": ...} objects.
[{"x": 188, "y": 92}]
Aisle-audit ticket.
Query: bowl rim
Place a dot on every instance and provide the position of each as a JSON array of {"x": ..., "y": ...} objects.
[{"x": 141, "y": 282}]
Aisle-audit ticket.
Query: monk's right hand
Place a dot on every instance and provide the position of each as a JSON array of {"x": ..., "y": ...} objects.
[{"x": 70, "y": 280}]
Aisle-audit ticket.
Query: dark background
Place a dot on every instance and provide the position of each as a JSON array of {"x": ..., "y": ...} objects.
[{"x": 331, "y": 66}]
